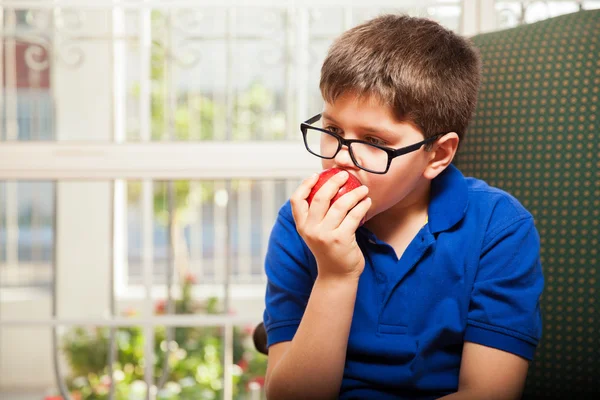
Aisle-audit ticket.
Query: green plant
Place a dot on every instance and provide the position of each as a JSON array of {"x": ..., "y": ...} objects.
[{"x": 195, "y": 368}]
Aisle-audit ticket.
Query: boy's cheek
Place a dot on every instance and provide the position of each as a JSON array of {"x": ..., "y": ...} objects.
[{"x": 326, "y": 164}]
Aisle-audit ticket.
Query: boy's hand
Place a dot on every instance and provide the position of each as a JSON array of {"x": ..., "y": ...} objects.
[{"x": 328, "y": 231}]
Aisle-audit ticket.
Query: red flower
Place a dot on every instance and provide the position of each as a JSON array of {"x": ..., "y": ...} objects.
[
  {"x": 160, "y": 307},
  {"x": 260, "y": 380},
  {"x": 190, "y": 278},
  {"x": 243, "y": 364},
  {"x": 249, "y": 329}
]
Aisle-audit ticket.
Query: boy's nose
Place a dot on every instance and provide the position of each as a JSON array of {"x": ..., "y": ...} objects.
[{"x": 343, "y": 159}]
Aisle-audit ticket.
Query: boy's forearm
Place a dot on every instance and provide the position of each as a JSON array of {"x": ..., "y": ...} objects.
[{"x": 313, "y": 367}]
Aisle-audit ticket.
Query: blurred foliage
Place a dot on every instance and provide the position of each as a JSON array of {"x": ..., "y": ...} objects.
[{"x": 194, "y": 358}]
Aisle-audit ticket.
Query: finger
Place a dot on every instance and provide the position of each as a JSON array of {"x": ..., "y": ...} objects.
[
  {"x": 322, "y": 199},
  {"x": 298, "y": 198},
  {"x": 340, "y": 209},
  {"x": 352, "y": 221}
]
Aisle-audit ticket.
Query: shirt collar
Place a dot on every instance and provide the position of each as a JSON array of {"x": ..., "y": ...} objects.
[
  {"x": 449, "y": 199},
  {"x": 448, "y": 202}
]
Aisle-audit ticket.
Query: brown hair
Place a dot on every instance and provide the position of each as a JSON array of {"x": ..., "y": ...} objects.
[{"x": 425, "y": 72}]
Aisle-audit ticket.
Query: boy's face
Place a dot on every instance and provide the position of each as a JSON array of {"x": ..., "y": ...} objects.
[{"x": 403, "y": 185}]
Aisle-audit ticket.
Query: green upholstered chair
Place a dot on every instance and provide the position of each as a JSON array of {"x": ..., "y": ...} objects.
[{"x": 536, "y": 134}]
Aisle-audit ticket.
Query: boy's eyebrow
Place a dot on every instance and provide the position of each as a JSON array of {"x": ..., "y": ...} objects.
[
  {"x": 362, "y": 128},
  {"x": 329, "y": 117}
]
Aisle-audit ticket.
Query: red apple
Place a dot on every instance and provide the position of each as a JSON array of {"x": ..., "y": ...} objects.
[{"x": 351, "y": 184}]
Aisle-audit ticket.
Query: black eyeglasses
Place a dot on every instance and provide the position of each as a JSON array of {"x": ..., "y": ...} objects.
[{"x": 366, "y": 156}]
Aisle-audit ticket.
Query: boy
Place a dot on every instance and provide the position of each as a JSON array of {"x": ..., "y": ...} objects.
[{"x": 437, "y": 293}]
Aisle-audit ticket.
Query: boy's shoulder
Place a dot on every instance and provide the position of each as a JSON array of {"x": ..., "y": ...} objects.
[
  {"x": 493, "y": 199},
  {"x": 493, "y": 211},
  {"x": 473, "y": 204}
]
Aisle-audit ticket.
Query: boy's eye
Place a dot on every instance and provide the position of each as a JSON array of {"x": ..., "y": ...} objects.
[
  {"x": 374, "y": 140},
  {"x": 332, "y": 129}
]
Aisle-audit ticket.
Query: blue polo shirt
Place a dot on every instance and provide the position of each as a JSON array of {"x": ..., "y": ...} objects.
[{"x": 472, "y": 273}]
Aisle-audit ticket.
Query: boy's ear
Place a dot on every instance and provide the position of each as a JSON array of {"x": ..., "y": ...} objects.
[{"x": 441, "y": 154}]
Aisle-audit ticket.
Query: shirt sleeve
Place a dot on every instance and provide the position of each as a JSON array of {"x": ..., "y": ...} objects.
[
  {"x": 290, "y": 277},
  {"x": 504, "y": 310}
]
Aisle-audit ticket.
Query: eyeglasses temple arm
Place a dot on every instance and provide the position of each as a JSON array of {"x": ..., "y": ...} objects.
[
  {"x": 415, "y": 146},
  {"x": 313, "y": 119}
]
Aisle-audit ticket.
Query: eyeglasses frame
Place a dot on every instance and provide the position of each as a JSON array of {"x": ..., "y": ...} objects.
[{"x": 392, "y": 153}]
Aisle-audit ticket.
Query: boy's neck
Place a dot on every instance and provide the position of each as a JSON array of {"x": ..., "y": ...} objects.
[{"x": 407, "y": 215}]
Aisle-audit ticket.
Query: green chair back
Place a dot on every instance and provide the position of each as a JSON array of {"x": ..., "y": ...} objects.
[{"x": 536, "y": 135}]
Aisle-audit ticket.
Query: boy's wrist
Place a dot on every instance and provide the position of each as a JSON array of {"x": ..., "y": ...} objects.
[
  {"x": 335, "y": 280},
  {"x": 334, "y": 271}
]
